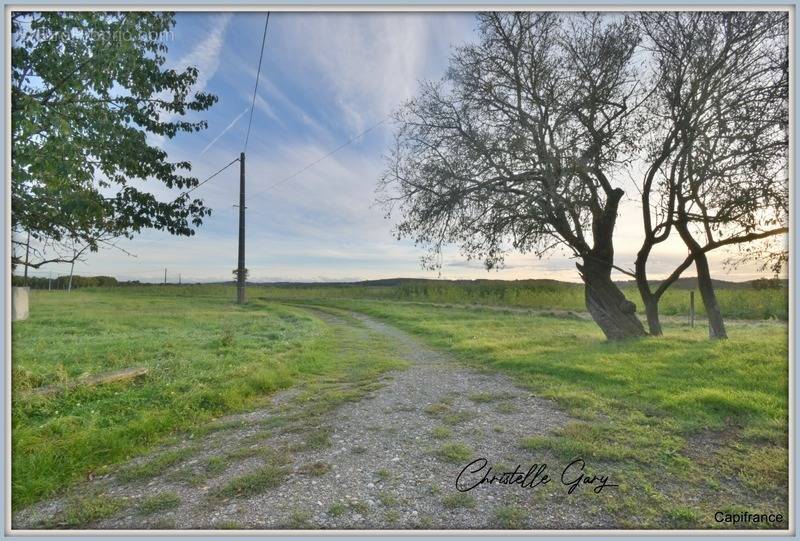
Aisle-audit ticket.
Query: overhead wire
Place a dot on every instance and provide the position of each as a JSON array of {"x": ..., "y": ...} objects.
[
  {"x": 258, "y": 78},
  {"x": 187, "y": 192},
  {"x": 318, "y": 160}
]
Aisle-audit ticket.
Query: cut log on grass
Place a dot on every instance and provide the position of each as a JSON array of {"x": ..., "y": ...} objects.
[{"x": 128, "y": 374}]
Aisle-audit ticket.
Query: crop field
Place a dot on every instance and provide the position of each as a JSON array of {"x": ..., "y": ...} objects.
[{"x": 671, "y": 415}]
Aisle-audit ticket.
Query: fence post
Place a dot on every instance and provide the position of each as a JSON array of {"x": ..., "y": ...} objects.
[{"x": 691, "y": 308}]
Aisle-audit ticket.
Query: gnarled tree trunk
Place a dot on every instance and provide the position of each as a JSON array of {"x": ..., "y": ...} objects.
[
  {"x": 613, "y": 313},
  {"x": 606, "y": 303}
]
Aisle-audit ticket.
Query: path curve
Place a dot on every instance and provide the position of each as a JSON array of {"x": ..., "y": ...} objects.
[{"x": 392, "y": 461}]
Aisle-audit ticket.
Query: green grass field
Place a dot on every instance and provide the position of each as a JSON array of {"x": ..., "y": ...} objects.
[
  {"x": 744, "y": 303},
  {"x": 206, "y": 356},
  {"x": 667, "y": 414}
]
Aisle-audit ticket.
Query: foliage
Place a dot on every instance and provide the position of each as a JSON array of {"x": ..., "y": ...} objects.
[
  {"x": 60, "y": 282},
  {"x": 87, "y": 91},
  {"x": 518, "y": 148},
  {"x": 517, "y": 141}
]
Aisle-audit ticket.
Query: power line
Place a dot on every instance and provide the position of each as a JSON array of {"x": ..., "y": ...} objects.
[
  {"x": 187, "y": 192},
  {"x": 258, "y": 77},
  {"x": 328, "y": 155}
]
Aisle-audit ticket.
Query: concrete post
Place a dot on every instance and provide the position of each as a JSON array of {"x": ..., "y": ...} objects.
[{"x": 19, "y": 303}]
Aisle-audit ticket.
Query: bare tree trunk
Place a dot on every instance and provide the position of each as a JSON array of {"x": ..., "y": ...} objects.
[
  {"x": 613, "y": 313},
  {"x": 716, "y": 325},
  {"x": 648, "y": 298},
  {"x": 653, "y": 319}
]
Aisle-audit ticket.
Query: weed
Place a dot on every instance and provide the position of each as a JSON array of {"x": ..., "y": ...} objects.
[
  {"x": 459, "y": 500},
  {"x": 338, "y": 509},
  {"x": 505, "y": 407},
  {"x": 159, "y": 502},
  {"x": 510, "y": 517},
  {"x": 454, "y": 452},
  {"x": 215, "y": 465},
  {"x": 253, "y": 483},
  {"x": 84, "y": 510},
  {"x": 157, "y": 465},
  {"x": 319, "y": 439},
  {"x": 299, "y": 520},
  {"x": 387, "y": 498},
  {"x": 456, "y": 417},
  {"x": 359, "y": 507},
  {"x": 483, "y": 397},
  {"x": 682, "y": 517},
  {"x": 315, "y": 468}
]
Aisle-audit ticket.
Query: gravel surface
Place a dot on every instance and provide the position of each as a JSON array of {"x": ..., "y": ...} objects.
[{"x": 390, "y": 460}]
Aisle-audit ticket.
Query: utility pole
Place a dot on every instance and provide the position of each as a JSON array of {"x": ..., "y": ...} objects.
[
  {"x": 179, "y": 278},
  {"x": 50, "y": 281},
  {"x": 240, "y": 277},
  {"x": 165, "y": 276}
]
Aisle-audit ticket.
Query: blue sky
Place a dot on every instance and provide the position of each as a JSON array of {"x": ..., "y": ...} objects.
[{"x": 325, "y": 78}]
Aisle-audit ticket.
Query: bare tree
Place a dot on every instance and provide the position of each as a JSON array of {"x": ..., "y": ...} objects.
[
  {"x": 718, "y": 115},
  {"x": 518, "y": 148}
]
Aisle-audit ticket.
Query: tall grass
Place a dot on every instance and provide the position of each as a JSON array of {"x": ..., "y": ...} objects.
[{"x": 735, "y": 303}]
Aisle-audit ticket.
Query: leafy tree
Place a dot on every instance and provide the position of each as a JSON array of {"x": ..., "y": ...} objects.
[
  {"x": 518, "y": 148},
  {"x": 718, "y": 150},
  {"x": 87, "y": 88}
]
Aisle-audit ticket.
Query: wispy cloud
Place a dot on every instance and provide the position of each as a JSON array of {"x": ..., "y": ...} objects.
[
  {"x": 226, "y": 130},
  {"x": 369, "y": 63},
  {"x": 205, "y": 56}
]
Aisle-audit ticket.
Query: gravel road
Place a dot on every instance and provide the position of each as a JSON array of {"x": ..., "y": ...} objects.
[{"x": 388, "y": 461}]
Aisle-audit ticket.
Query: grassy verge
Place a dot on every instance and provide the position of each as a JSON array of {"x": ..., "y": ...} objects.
[
  {"x": 206, "y": 357},
  {"x": 670, "y": 418}
]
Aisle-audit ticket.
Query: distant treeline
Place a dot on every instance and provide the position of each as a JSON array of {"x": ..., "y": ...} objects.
[
  {"x": 62, "y": 282},
  {"x": 406, "y": 287}
]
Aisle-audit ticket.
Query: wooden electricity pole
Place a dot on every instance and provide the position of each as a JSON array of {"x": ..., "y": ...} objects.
[{"x": 240, "y": 272}]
